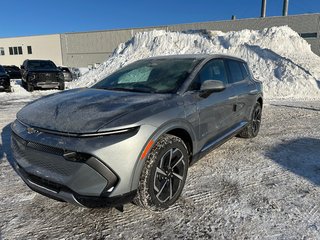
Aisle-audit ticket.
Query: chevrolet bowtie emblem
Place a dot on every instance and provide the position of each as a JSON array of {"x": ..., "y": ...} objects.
[{"x": 31, "y": 130}]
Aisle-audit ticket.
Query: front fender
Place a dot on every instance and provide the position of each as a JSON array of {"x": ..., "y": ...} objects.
[{"x": 163, "y": 129}]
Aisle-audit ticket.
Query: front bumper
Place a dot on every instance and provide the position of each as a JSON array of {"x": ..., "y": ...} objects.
[
  {"x": 46, "y": 170},
  {"x": 102, "y": 178},
  {"x": 64, "y": 194},
  {"x": 47, "y": 84}
]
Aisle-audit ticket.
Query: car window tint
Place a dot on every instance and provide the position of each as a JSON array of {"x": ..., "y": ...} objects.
[
  {"x": 213, "y": 70},
  {"x": 235, "y": 71}
]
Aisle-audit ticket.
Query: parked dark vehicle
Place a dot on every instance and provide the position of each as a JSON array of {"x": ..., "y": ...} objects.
[
  {"x": 41, "y": 74},
  {"x": 133, "y": 135},
  {"x": 4, "y": 80},
  {"x": 13, "y": 71},
  {"x": 66, "y": 74}
]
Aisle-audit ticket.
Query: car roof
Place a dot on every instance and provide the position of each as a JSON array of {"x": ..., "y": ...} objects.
[
  {"x": 38, "y": 60},
  {"x": 198, "y": 56}
]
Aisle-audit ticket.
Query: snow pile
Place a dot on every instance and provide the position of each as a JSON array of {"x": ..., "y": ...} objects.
[{"x": 278, "y": 56}]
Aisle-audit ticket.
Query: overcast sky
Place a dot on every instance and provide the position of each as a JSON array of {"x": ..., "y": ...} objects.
[{"x": 33, "y": 17}]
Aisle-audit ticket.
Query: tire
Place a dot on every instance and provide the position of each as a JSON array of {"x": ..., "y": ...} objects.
[
  {"x": 252, "y": 129},
  {"x": 161, "y": 183},
  {"x": 9, "y": 89},
  {"x": 61, "y": 86},
  {"x": 30, "y": 88}
]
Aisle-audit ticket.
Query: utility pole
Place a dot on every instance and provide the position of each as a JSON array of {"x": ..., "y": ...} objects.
[
  {"x": 285, "y": 7},
  {"x": 263, "y": 8}
]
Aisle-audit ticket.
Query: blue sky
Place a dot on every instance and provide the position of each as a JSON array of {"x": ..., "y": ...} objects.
[{"x": 33, "y": 17}]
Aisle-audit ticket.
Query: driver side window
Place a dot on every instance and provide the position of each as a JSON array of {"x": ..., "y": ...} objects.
[{"x": 213, "y": 70}]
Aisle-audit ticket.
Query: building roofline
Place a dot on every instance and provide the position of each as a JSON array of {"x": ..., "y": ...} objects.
[
  {"x": 36, "y": 35},
  {"x": 245, "y": 19},
  {"x": 177, "y": 24}
]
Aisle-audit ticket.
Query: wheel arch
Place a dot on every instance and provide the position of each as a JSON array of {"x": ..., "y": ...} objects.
[
  {"x": 260, "y": 100},
  {"x": 185, "y": 136},
  {"x": 181, "y": 129}
]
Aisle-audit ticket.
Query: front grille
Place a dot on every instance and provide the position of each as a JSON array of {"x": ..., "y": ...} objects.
[
  {"x": 43, "y": 161},
  {"x": 39, "y": 147},
  {"x": 47, "y": 77},
  {"x": 47, "y": 149},
  {"x": 48, "y": 168}
]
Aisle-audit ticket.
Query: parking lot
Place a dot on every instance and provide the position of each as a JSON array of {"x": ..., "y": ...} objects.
[{"x": 266, "y": 187}]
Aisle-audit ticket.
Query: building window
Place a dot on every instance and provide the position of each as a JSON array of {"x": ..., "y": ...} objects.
[
  {"x": 15, "y": 50},
  {"x": 309, "y": 35},
  {"x": 1, "y": 51},
  {"x": 29, "y": 49}
]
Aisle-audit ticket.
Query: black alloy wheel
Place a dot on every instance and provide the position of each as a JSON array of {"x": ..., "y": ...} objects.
[{"x": 164, "y": 174}]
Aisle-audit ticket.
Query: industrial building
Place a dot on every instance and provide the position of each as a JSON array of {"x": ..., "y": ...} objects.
[{"x": 87, "y": 48}]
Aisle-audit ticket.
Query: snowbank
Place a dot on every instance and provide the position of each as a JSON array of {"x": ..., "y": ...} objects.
[{"x": 278, "y": 56}]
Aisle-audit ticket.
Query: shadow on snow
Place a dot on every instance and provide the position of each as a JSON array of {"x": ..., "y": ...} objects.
[
  {"x": 300, "y": 156},
  {"x": 5, "y": 148}
]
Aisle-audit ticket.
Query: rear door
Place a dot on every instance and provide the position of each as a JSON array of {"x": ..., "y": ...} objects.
[{"x": 244, "y": 88}]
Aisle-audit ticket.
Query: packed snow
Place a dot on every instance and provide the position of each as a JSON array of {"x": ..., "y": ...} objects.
[
  {"x": 263, "y": 188},
  {"x": 278, "y": 56}
]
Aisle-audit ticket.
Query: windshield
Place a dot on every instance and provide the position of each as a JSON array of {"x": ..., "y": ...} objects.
[
  {"x": 2, "y": 70},
  {"x": 41, "y": 65},
  {"x": 150, "y": 75}
]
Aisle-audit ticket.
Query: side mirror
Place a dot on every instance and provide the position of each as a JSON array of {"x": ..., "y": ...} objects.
[{"x": 210, "y": 86}]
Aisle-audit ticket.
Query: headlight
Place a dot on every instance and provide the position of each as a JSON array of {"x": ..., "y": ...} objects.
[{"x": 132, "y": 130}]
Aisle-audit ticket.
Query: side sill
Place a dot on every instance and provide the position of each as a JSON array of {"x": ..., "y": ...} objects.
[{"x": 216, "y": 142}]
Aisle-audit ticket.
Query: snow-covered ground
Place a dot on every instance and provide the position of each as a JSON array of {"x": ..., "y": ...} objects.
[{"x": 266, "y": 187}]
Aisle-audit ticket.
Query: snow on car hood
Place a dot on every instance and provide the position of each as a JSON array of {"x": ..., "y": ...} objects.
[{"x": 83, "y": 110}]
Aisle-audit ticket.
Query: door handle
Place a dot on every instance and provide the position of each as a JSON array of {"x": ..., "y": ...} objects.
[
  {"x": 233, "y": 97},
  {"x": 253, "y": 91}
]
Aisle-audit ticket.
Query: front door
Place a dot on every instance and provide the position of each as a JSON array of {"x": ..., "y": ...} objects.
[{"x": 216, "y": 112}]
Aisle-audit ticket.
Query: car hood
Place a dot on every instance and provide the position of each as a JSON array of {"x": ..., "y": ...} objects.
[{"x": 84, "y": 110}]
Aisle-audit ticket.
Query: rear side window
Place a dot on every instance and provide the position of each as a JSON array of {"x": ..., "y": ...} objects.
[
  {"x": 245, "y": 71},
  {"x": 236, "y": 71}
]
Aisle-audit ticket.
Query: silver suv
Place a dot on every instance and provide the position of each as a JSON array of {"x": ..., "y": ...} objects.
[{"x": 133, "y": 135}]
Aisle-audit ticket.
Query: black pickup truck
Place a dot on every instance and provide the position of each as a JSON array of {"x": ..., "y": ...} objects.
[{"x": 41, "y": 74}]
